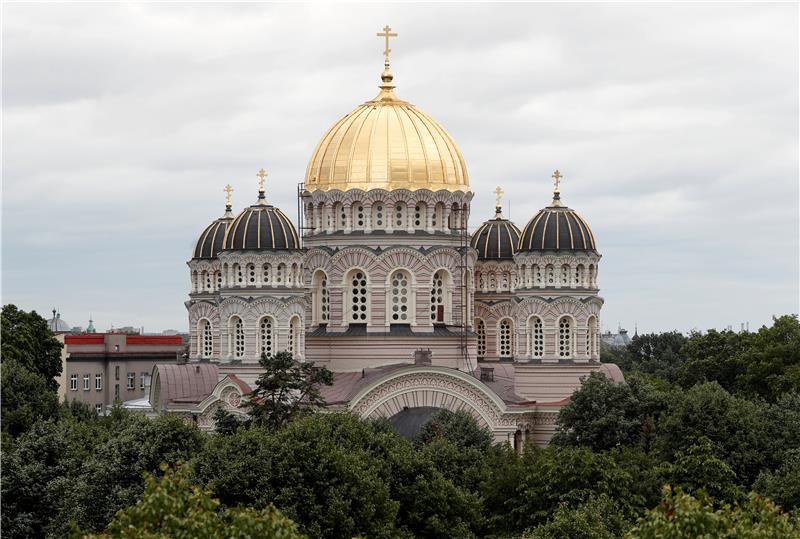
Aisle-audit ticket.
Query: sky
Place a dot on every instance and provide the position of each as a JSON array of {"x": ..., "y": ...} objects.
[{"x": 675, "y": 127}]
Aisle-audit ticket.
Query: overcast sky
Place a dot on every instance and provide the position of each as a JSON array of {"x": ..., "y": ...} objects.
[{"x": 675, "y": 127}]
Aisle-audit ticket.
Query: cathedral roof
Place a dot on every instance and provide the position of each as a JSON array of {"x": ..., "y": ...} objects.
[
  {"x": 557, "y": 228},
  {"x": 262, "y": 227},
  {"x": 211, "y": 240},
  {"x": 496, "y": 239},
  {"x": 386, "y": 143}
]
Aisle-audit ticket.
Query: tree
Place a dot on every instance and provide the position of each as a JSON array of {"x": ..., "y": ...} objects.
[
  {"x": 698, "y": 468},
  {"x": 734, "y": 426},
  {"x": 603, "y": 414},
  {"x": 458, "y": 428},
  {"x": 783, "y": 484},
  {"x": 596, "y": 518},
  {"x": 657, "y": 354},
  {"x": 28, "y": 341},
  {"x": 31, "y": 361},
  {"x": 683, "y": 516},
  {"x": 173, "y": 507},
  {"x": 225, "y": 422},
  {"x": 286, "y": 389}
]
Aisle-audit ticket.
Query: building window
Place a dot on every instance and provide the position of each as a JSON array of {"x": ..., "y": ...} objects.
[
  {"x": 266, "y": 272},
  {"x": 378, "y": 215},
  {"x": 206, "y": 339},
  {"x": 400, "y": 297},
  {"x": 437, "y": 296},
  {"x": 73, "y": 382},
  {"x": 131, "y": 380},
  {"x": 266, "y": 336},
  {"x": 86, "y": 383},
  {"x": 399, "y": 215},
  {"x": 239, "y": 274},
  {"x": 116, "y": 391},
  {"x": 116, "y": 372},
  {"x": 506, "y": 338},
  {"x": 358, "y": 216},
  {"x": 294, "y": 336},
  {"x": 480, "y": 328},
  {"x": 536, "y": 337},
  {"x": 98, "y": 382},
  {"x": 487, "y": 374},
  {"x": 321, "y": 298},
  {"x": 142, "y": 380},
  {"x": 98, "y": 408},
  {"x": 565, "y": 337},
  {"x": 579, "y": 275},
  {"x": 236, "y": 337},
  {"x": 358, "y": 297},
  {"x": 591, "y": 337}
]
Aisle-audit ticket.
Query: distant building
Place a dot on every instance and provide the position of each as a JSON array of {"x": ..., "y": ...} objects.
[
  {"x": 101, "y": 368},
  {"x": 616, "y": 340},
  {"x": 57, "y": 325}
]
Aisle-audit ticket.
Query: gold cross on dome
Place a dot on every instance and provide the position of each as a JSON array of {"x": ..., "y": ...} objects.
[
  {"x": 497, "y": 194},
  {"x": 262, "y": 175},
  {"x": 386, "y": 34},
  {"x": 228, "y": 191},
  {"x": 557, "y": 181}
]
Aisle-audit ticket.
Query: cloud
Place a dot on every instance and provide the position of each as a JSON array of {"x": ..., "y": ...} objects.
[{"x": 675, "y": 125}]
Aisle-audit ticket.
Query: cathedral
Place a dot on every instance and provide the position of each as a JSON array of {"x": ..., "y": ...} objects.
[{"x": 381, "y": 282}]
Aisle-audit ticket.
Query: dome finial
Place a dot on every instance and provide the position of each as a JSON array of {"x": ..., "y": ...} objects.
[
  {"x": 228, "y": 200},
  {"x": 262, "y": 175},
  {"x": 557, "y": 191},
  {"x": 498, "y": 209},
  {"x": 387, "y": 88}
]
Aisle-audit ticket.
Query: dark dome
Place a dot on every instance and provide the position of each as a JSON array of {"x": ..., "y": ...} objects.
[
  {"x": 262, "y": 227},
  {"x": 210, "y": 242},
  {"x": 557, "y": 228},
  {"x": 496, "y": 239}
]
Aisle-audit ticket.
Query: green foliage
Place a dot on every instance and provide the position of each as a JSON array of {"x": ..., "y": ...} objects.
[
  {"x": 458, "y": 428},
  {"x": 31, "y": 361},
  {"x": 603, "y": 414},
  {"x": 783, "y": 484},
  {"x": 657, "y": 354},
  {"x": 226, "y": 423},
  {"x": 28, "y": 341},
  {"x": 699, "y": 468},
  {"x": 173, "y": 507},
  {"x": 733, "y": 425},
  {"x": 682, "y": 516},
  {"x": 286, "y": 389},
  {"x": 596, "y": 518}
]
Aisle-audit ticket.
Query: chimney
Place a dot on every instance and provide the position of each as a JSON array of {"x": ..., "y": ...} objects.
[{"x": 422, "y": 357}]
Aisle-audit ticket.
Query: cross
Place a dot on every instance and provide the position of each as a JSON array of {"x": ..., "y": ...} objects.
[
  {"x": 556, "y": 180},
  {"x": 228, "y": 190},
  {"x": 386, "y": 34},
  {"x": 497, "y": 194},
  {"x": 262, "y": 174}
]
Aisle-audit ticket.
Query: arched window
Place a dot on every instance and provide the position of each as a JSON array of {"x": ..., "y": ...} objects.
[
  {"x": 358, "y": 297},
  {"x": 359, "y": 220},
  {"x": 206, "y": 338},
  {"x": 579, "y": 275},
  {"x": 551, "y": 275},
  {"x": 238, "y": 274},
  {"x": 218, "y": 279},
  {"x": 400, "y": 294},
  {"x": 438, "y": 215},
  {"x": 565, "y": 338},
  {"x": 535, "y": 337},
  {"x": 266, "y": 336},
  {"x": 480, "y": 329},
  {"x": 339, "y": 216},
  {"x": 504, "y": 280},
  {"x": 322, "y": 307},
  {"x": 251, "y": 274},
  {"x": 537, "y": 275},
  {"x": 399, "y": 216},
  {"x": 378, "y": 215},
  {"x": 293, "y": 346},
  {"x": 591, "y": 337},
  {"x": 439, "y": 296},
  {"x": 279, "y": 274},
  {"x": 505, "y": 341},
  {"x": 236, "y": 337},
  {"x": 592, "y": 280},
  {"x": 420, "y": 216},
  {"x": 208, "y": 279},
  {"x": 564, "y": 277}
]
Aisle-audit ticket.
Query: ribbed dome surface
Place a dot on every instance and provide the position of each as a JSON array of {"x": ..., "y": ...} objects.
[
  {"x": 557, "y": 228},
  {"x": 262, "y": 227},
  {"x": 210, "y": 242},
  {"x": 496, "y": 239},
  {"x": 389, "y": 144}
]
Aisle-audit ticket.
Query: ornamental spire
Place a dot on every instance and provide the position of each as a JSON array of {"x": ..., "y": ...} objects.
[
  {"x": 557, "y": 190},
  {"x": 498, "y": 209},
  {"x": 228, "y": 200},
  {"x": 387, "y": 88},
  {"x": 262, "y": 175}
]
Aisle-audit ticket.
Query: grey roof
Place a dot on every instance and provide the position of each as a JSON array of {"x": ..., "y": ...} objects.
[{"x": 187, "y": 383}]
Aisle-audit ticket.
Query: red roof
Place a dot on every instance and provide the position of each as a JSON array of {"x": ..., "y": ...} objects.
[
  {"x": 153, "y": 339},
  {"x": 92, "y": 338}
]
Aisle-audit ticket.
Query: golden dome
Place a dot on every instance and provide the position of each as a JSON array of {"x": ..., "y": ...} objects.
[{"x": 387, "y": 143}]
